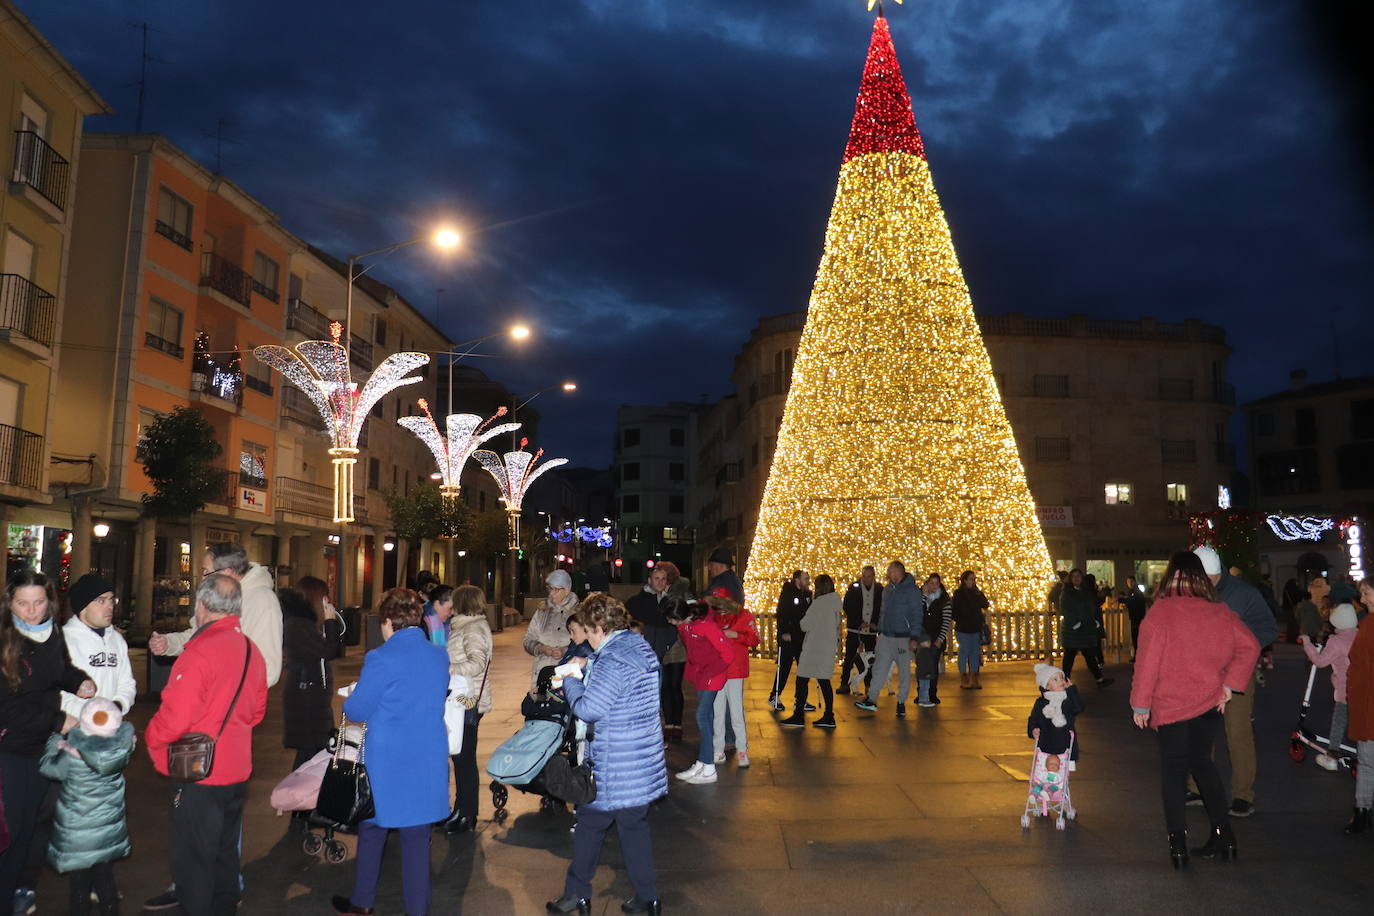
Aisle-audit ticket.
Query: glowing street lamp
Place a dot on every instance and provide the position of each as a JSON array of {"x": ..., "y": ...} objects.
[
  {"x": 466, "y": 432},
  {"x": 320, "y": 369},
  {"x": 444, "y": 238}
]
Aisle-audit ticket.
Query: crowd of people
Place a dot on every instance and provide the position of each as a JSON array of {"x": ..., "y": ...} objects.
[{"x": 65, "y": 691}]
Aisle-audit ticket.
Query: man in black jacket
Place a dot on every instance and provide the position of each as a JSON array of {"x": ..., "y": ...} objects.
[
  {"x": 793, "y": 601},
  {"x": 863, "y": 603},
  {"x": 937, "y": 620}
]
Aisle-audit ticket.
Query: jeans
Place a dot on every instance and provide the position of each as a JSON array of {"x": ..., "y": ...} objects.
[
  {"x": 414, "y": 865},
  {"x": 1364, "y": 777},
  {"x": 730, "y": 700},
  {"x": 465, "y": 781},
  {"x": 1185, "y": 748},
  {"x": 670, "y": 693},
  {"x": 635, "y": 846},
  {"x": 203, "y": 841},
  {"x": 1091, "y": 656},
  {"x": 1340, "y": 718},
  {"x": 970, "y": 652},
  {"x": 923, "y": 690},
  {"x": 892, "y": 650},
  {"x": 788, "y": 652},
  {"x": 706, "y": 720}
]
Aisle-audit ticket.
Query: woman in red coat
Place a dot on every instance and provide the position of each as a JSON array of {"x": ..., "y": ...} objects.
[
  {"x": 1194, "y": 653},
  {"x": 1359, "y": 694}
]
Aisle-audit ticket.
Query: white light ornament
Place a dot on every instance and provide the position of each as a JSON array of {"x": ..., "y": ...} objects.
[
  {"x": 466, "y": 432},
  {"x": 1298, "y": 528},
  {"x": 1223, "y": 497},
  {"x": 514, "y": 472},
  {"x": 320, "y": 369}
]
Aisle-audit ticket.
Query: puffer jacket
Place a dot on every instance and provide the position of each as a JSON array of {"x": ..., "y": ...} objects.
[
  {"x": 742, "y": 622},
  {"x": 548, "y": 627},
  {"x": 469, "y": 654},
  {"x": 31, "y": 712},
  {"x": 88, "y": 826},
  {"x": 903, "y": 609},
  {"x": 1335, "y": 654},
  {"x": 620, "y": 694},
  {"x": 1078, "y": 626},
  {"x": 709, "y": 653}
]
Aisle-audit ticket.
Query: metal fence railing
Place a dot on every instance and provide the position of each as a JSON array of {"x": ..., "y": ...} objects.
[
  {"x": 21, "y": 457},
  {"x": 27, "y": 308}
]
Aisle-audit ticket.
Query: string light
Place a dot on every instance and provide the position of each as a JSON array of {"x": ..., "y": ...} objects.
[
  {"x": 894, "y": 442},
  {"x": 1299, "y": 527},
  {"x": 320, "y": 369},
  {"x": 514, "y": 472},
  {"x": 466, "y": 431}
]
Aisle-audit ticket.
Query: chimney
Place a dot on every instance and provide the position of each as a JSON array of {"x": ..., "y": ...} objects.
[{"x": 1297, "y": 379}]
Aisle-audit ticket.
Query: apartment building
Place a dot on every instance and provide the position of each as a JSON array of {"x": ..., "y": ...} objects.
[
  {"x": 650, "y": 470},
  {"x": 1121, "y": 426},
  {"x": 45, "y": 103}
]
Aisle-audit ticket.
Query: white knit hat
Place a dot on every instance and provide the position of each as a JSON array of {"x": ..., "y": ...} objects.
[
  {"x": 1044, "y": 672},
  {"x": 1211, "y": 562},
  {"x": 1344, "y": 617}
]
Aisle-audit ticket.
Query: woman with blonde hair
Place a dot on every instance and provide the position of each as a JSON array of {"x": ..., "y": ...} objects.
[{"x": 469, "y": 654}]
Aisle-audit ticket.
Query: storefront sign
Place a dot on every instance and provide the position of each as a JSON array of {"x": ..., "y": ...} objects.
[
  {"x": 1055, "y": 516},
  {"x": 252, "y": 499},
  {"x": 1354, "y": 548}
]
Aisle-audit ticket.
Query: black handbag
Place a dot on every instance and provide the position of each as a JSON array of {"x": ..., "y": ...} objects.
[
  {"x": 346, "y": 792},
  {"x": 567, "y": 781}
]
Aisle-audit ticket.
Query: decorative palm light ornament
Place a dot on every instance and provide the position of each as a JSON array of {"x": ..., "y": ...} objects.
[
  {"x": 514, "y": 472},
  {"x": 894, "y": 443},
  {"x": 466, "y": 431},
  {"x": 320, "y": 369}
]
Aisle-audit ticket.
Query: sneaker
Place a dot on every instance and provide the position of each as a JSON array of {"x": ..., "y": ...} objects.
[
  {"x": 686, "y": 774},
  {"x": 742, "y": 760},
  {"x": 824, "y": 722},
  {"x": 720, "y": 757},
  {"x": 796, "y": 720},
  {"x": 1193, "y": 799},
  {"x": 1105, "y": 682},
  {"x": 934, "y": 701},
  {"x": 901, "y": 710},
  {"x": 167, "y": 900},
  {"x": 866, "y": 705},
  {"x": 842, "y": 689},
  {"x": 1242, "y": 808},
  {"x": 25, "y": 901},
  {"x": 926, "y": 704},
  {"x": 810, "y": 707},
  {"x": 701, "y": 777},
  {"x": 775, "y": 704},
  {"x": 1327, "y": 762}
]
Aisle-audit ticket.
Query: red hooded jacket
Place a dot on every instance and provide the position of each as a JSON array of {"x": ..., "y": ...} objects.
[
  {"x": 742, "y": 622},
  {"x": 709, "y": 653}
]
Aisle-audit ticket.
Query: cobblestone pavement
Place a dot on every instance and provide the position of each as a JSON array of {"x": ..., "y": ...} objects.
[{"x": 879, "y": 816}]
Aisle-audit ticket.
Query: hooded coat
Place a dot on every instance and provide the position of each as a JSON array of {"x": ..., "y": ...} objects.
[
  {"x": 88, "y": 825},
  {"x": 260, "y": 619},
  {"x": 619, "y": 693}
]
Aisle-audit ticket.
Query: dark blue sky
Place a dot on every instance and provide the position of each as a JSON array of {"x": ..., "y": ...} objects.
[{"x": 643, "y": 180}]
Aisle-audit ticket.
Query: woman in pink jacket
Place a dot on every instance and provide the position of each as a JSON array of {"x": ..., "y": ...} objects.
[
  {"x": 1194, "y": 653},
  {"x": 709, "y": 654}
]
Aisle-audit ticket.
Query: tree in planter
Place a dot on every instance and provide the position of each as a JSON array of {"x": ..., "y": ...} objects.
[
  {"x": 424, "y": 514},
  {"x": 178, "y": 453}
]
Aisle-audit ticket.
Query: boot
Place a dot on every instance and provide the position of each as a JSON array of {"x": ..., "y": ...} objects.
[
  {"x": 974, "y": 682},
  {"x": 1221, "y": 842},
  {"x": 1178, "y": 850},
  {"x": 1359, "y": 822},
  {"x": 456, "y": 822},
  {"x": 965, "y": 681}
]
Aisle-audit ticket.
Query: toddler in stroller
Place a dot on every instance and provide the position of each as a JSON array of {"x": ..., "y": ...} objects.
[
  {"x": 540, "y": 758},
  {"x": 1051, "y": 725}
]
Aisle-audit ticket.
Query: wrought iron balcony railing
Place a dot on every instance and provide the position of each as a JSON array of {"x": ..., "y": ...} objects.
[
  {"x": 225, "y": 277},
  {"x": 39, "y": 166},
  {"x": 27, "y": 308}
]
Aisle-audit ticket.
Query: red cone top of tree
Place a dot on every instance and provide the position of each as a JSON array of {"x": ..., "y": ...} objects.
[{"x": 883, "y": 121}]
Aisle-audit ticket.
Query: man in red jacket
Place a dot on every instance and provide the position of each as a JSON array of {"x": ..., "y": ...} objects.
[{"x": 218, "y": 686}]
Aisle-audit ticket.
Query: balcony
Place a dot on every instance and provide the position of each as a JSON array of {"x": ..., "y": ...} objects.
[
  {"x": 314, "y": 324},
  {"x": 170, "y": 233},
  {"x": 311, "y": 499},
  {"x": 216, "y": 385},
  {"x": 1226, "y": 453},
  {"x": 1178, "y": 451},
  {"x": 26, "y": 310},
  {"x": 297, "y": 408},
  {"x": 260, "y": 385},
  {"x": 360, "y": 353},
  {"x": 21, "y": 458},
  {"x": 267, "y": 292},
  {"x": 225, "y": 278},
  {"x": 768, "y": 385},
  {"x": 171, "y": 348},
  {"x": 40, "y": 174}
]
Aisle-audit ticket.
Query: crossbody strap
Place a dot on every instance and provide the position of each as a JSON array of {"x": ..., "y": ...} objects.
[{"x": 247, "y": 657}]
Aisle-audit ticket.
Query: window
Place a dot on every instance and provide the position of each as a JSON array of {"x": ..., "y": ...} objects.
[
  {"x": 629, "y": 437},
  {"x": 677, "y": 470},
  {"x": 164, "y": 329},
  {"x": 1175, "y": 389},
  {"x": 1051, "y": 386},
  {"x": 257, "y": 375},
  {"x": 629, "y": 503},
  {"x": 379, "y": 331},
  {"x": 1286, "y": 473},
  {"x": 1117, "y": 494},
  {"x": 1305, "y": 426},
  {"x": 1264, "y": 423},
  {"x": 1178, "y": 451},
  {"x": 374, "y": 474},
  {"x": 1177, "y": 493},
  {"x": 266, "y": 276},
  {"x": 679, "y": 536},
  {"x": 632, "y": 535},
  {"x": 754, "y": 455},
  {"x": 146, "y": 418},
  {"x": 1362, "y": 419},
  {"x": 174, "y": 214},
  {"x": 677, "y": 437},
  {"x": 630, "y": 471},
  {"x": 253, "y": 464},
  {"x": 676, "y": 504},
  {"x": 1048, "y": 448}
]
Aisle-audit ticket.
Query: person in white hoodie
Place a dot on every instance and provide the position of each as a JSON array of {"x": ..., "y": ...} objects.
[
  {"x": 261, "y": 618},
  {"x": 96, "y": 647}
]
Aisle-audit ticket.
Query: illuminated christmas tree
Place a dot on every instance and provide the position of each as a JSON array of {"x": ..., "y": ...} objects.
[{"x": 894, "y": 443}]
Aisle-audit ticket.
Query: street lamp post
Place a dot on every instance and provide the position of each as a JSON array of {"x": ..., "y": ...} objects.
[
  {"x": 446, "y": 239},
  {"x": 568, "y": 387}
]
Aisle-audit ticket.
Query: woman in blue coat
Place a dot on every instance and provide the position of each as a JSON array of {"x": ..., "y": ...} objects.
[
  {"x": 618, "y": 693},
  {"x": 400, "y": 696}
]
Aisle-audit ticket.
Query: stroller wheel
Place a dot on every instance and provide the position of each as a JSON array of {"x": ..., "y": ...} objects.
[
  {"x": 1025, "y": 821},
  {"x": 550, "y": 805},
  {"x": 500, "y": 815},
  {"x": 1072, "y": 813},
  {"x": 1297, "y": 750},
  {"x": 312, "y": 844},
  {"x": 499, "y": 795},
  {"x": 1059, "y": 824},
  {"x": 335, "y": 852}
]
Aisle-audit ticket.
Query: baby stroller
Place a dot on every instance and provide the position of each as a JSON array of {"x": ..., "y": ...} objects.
[
  {"x": 1304, "y": 737},
  {"x": 300, "y": 790},
  {"x": 545, "y": 746},
  {"x": 1049, "y": 787}
]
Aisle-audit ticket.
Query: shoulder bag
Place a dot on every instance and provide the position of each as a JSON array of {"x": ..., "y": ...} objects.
[
  {"x": 345, "y": 795},
  {"x": 191, "y": 757}
]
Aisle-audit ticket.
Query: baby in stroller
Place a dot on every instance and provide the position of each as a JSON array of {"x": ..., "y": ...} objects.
[{"x": 1051, "y": 725}]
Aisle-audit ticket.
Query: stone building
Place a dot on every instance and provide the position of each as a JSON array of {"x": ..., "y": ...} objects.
[{"x": 651, "y": 481}]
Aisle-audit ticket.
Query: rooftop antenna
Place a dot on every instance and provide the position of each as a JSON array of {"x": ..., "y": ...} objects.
[{"x": 143, "y": 59}]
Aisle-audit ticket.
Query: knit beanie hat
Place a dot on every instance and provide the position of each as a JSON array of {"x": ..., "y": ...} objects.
[
  {"x": 1344, "y": 618},
  {"x": 1211, "y": 563},
  {"x": 100, "y": 717},
  {"x": 1044, "y": 672},
  {"x": 86, "y": 589},
  {"x": 559, "y": 578}
]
